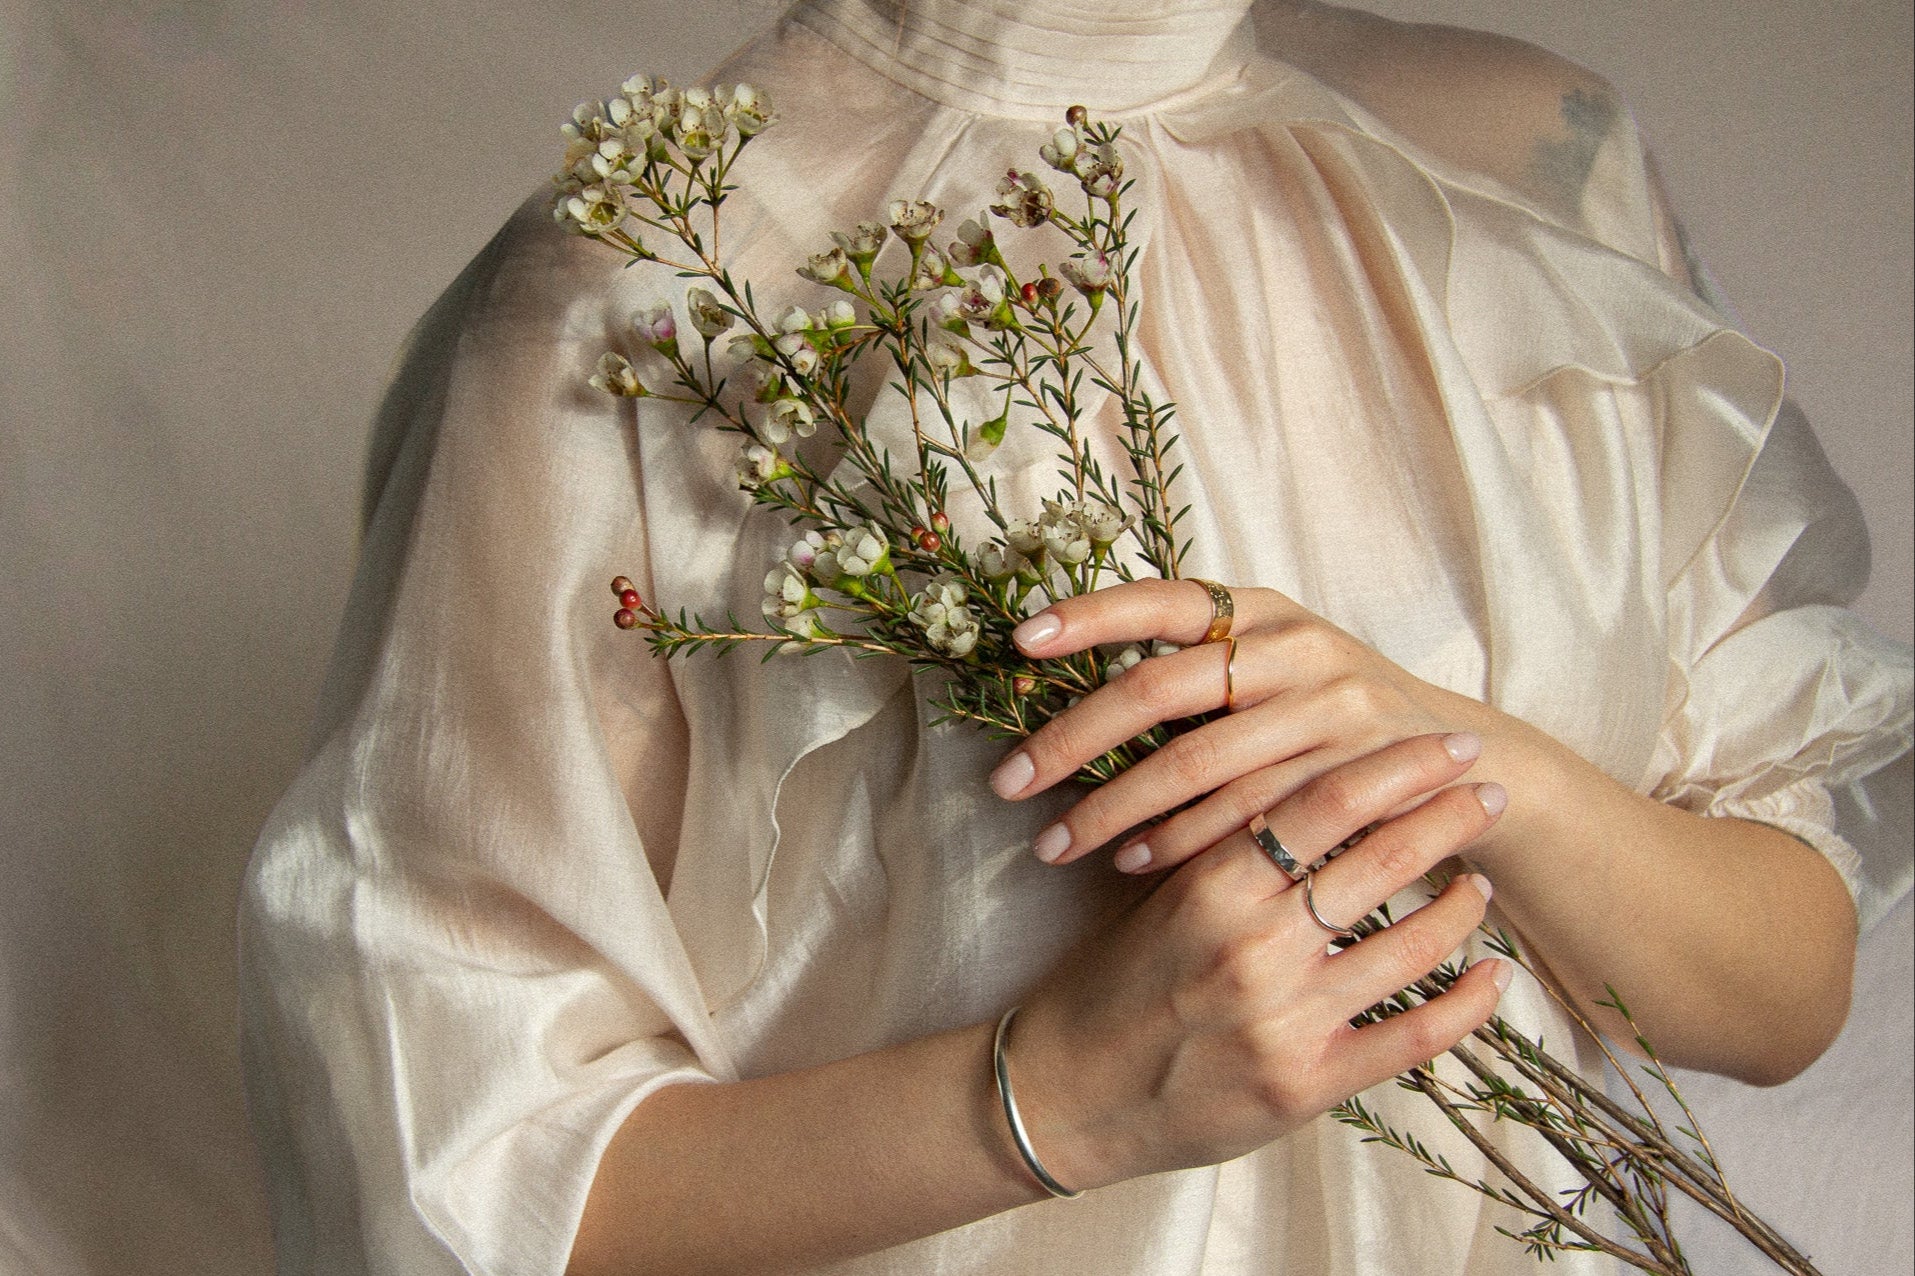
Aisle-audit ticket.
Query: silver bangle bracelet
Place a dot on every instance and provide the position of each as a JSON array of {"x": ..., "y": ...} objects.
[{"x": 1018, "y": 1135}]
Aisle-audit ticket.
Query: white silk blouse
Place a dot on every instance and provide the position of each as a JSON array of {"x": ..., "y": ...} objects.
[{"x": 1442, "y": 375}]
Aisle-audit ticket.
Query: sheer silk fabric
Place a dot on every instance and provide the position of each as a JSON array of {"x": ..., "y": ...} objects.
[{"x": 1459, "y": 399}]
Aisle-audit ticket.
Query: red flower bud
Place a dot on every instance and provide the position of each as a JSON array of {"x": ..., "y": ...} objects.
[
  {"x": 625, "y": 618},
  {"x": 939, "y": 523},
  {"x": 1029, "y": 292},
  {"x": 621, "y": 584},
  {"x": 930, "y": 542},
  {"x": 1023, "y": 684},
  {"x": 1076, "y": 115},
  {"x": 630, "y": 598}
]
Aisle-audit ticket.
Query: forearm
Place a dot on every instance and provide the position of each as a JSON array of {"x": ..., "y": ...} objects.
[
  {"x": 1732, "y": 943},
  {"x": 805, "y": 1167}
]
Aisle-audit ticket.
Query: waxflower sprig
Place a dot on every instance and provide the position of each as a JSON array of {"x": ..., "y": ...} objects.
[{"x": 878, "y": 568}]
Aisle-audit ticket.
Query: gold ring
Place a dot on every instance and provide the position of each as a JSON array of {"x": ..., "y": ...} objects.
[
  {"x": 1230, "y": 672},
  {"x": 1222, "y": 608}
]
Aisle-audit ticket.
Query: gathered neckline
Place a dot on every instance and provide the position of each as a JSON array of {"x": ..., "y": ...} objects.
[{"x": 1031, "y": 59}]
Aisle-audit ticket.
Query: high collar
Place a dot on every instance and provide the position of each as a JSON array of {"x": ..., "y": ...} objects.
[{"x": 1033, "y": 58}]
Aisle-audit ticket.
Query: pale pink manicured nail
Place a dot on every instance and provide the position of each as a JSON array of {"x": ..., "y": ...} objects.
[
  {"x": 1013, "y": 775},
  {"x": 1132, "y": 858},
  {"x": 1504, "y": 973},
  {"x": 1040, "y": 628},
  {"x": 1464, "y": 746},
  {"x": 1051, "y": 843},
  {"x": 1493, "y": 797},
  {"x": 1482, "y": 884}
]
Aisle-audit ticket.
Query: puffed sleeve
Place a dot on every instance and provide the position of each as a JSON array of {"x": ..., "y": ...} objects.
[
  {"x": 1783, "y": 706},
  {"x": 460, "y": 973}
]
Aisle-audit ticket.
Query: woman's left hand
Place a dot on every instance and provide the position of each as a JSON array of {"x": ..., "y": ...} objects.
[{"x": 1304, "y": 697}]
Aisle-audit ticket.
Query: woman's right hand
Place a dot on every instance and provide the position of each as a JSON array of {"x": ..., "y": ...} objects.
[{"x": 1214, "y": 1018}]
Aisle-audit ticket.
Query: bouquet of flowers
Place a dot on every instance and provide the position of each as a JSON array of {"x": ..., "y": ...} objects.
[{"x": 877, "y": 568}]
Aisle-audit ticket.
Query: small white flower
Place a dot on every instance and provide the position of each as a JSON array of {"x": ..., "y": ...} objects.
[
  {"x": 656, "y": 327},
  {"x": 973, "y": 245},
  {"x": 757, "y": 465},
  {"x": 707, "y": 315},
  {"x": 1090, "y": 274},
  {"x": 914, "y": 219},
  {"x": 1061, "y": 149},
  {"x": 1024, "y": 537},
  {"x": 1104, "y": 523},
  {"x": 1027, "y": 201},
  {"x": 829, "y": 267},
  {"x": 794, "y": 319},
  {"x": 999, "y": 563},
  {"x": 1126, "y": 659},
  {"x": 749, "y": 109},
  {"x": 838, "y": 315},
  {"x": 1066, "y": 538},
  {"x": 787, "y": 595},
  {"x": 788, "y": 417},
  {"x": 743, "y": 346},
  {"x": 616, "y": 376},
  {"x": 944, "y": 354},
  {"x": 593, "y": 210},
  {"x": 798, "y": 350},
  {"x": 982, "y": 301},
  {"x": 864, "y": 552},
  {"x": 930, "y": 272},
  {"x": 1098, "y": 169},
  {"x": 805, "y": 551},
  {"x": 947, "y": 311},
  {"x": 948, "y": 623},
  {"x": 862, "y": 244},
  {"x": 700, "y": 127}
]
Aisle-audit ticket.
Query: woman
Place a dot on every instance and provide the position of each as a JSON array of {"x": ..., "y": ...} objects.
[{"x": 558, "y": 954}]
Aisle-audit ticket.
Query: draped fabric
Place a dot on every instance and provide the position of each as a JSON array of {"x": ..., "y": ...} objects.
[{"x": 1453, "y": 391}]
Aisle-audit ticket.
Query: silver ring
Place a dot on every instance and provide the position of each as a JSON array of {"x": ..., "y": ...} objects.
[
  {"x": 1310, "y": 905},
  {"x": 1278, "y": 853}
]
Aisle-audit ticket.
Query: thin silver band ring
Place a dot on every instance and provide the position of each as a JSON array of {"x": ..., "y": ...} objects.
[{"x": 1310, "y": 905}]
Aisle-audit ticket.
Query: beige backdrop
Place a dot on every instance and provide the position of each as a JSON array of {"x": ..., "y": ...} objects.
[{"x": 219, "y": 219}]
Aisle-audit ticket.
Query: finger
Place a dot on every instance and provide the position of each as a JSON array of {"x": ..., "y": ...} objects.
[
  {"x": 1378, "y": 782},
  {"x": 1160, "y": 689},
  {"x": 1403, "y": 849},
  {"x": 1176, "y": 611},
  {"x": 1390, "y": 960},
  {"x": 1372, "y": 1054}
]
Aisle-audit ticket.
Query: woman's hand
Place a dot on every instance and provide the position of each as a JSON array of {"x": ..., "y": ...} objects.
[
  {"x": 1214, "y": 1018},
  {"x": 1307, "y": 697}
]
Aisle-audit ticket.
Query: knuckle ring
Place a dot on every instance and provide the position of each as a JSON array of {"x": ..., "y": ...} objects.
[
  {"x": 1310, "y": 906},
  {"x": 1222, "y": 609},
  {"x": 1276, "y": 851},
  {"x": 1230, "y": 673}
]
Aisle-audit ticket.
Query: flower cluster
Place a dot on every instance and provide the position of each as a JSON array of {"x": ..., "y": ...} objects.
[
  {"x": 876, "y": 554},
  {"x": 619, "y": 144}
]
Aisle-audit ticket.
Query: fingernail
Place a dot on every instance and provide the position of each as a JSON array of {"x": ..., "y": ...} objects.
[
  {"x": 1482, "y": 884},
  {"x": 1132, "y": 858},
  {"x": 1493, "y": 797},
  {"x": 1504, "y": 973},
  {"x": 1039, "y": 629},
  {"x": 1051, "y": 843},
  {"x": 1013, "y": 775},
  {"x": 1464, "y": 746}
]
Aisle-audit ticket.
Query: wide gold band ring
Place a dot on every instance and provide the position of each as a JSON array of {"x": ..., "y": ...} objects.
[{"x": 1222, "y": 609}]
